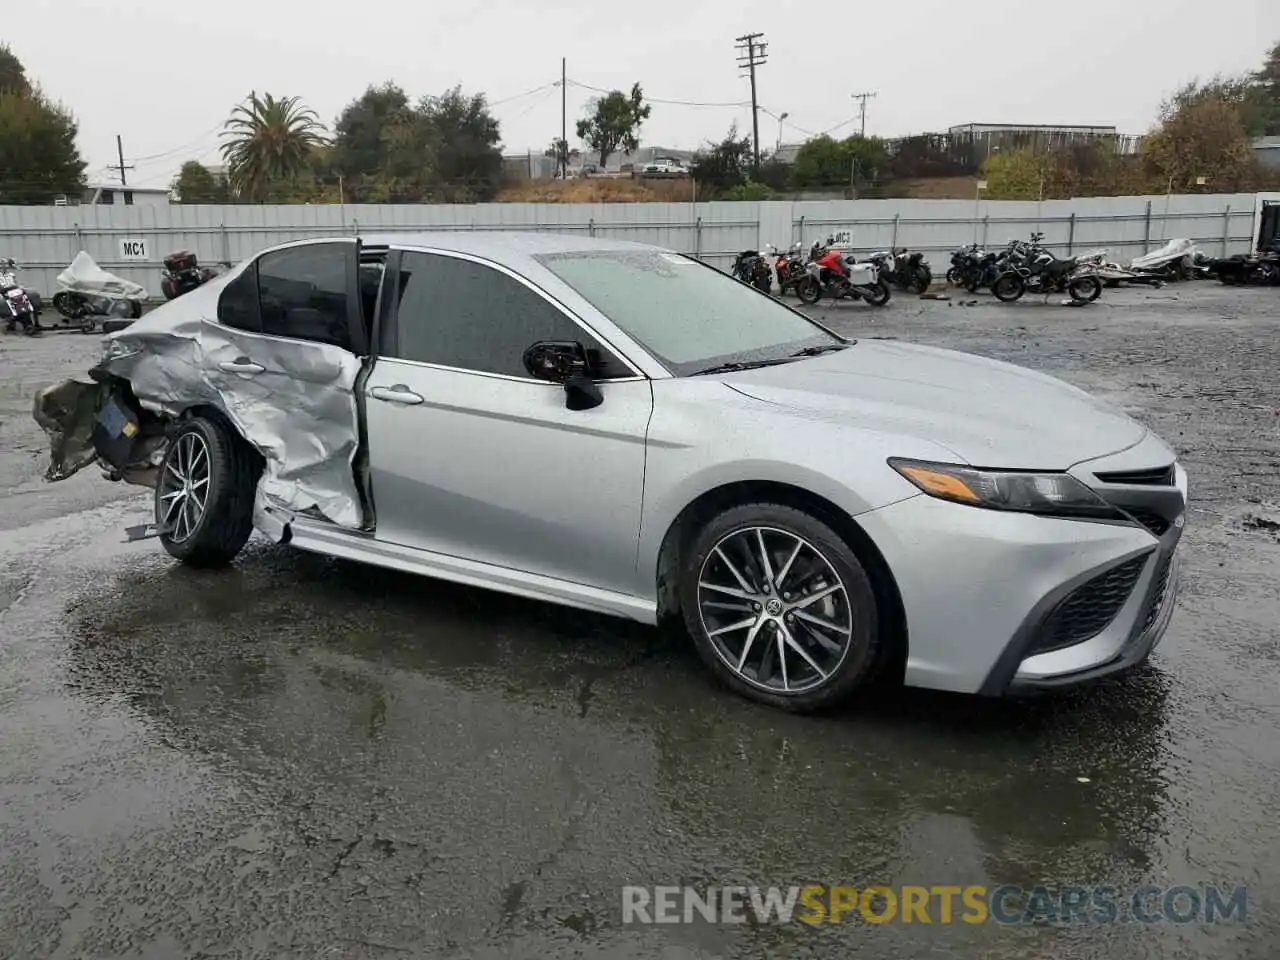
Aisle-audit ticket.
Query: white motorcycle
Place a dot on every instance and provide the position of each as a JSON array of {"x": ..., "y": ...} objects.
[
  {"x": 17, "y": 307},
  {"x": 87, "y": 294}
]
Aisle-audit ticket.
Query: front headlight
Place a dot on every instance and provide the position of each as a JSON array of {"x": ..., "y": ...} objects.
[
  {"x": 117, "y": 348},
  {"x": 1050, "y": 494}
]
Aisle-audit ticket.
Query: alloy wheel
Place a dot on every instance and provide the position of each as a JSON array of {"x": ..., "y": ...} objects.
[
  {"x": 775, "y": 610},
  {"x": 184, "y": 487}
]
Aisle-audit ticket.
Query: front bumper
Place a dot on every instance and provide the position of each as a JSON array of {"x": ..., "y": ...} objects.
[{"x": 1000, "y": 603}]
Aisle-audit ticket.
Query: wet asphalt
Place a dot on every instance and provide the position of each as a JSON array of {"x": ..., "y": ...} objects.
[{"x": 300, "y": 757}]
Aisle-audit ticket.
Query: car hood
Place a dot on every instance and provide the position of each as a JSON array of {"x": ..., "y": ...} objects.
[{"x": 989, "y": 413}]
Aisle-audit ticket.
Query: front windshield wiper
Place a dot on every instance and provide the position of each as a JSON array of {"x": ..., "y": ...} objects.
[
  {"x": 824, "y": 348},
  {"x": 734, "y": 366}
]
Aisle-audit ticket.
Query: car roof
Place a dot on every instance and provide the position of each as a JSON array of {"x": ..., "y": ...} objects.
[{"x": 503, "y": 246}]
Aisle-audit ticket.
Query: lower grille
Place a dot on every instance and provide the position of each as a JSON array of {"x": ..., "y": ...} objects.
[
  {"x": 1157, "y": 598},
  {"x": 1088, "y": 609},
  {"x": 1153, "y": 521}
]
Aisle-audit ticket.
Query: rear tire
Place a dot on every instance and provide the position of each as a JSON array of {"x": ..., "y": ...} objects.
[
  {"x": 1008, "y": 288},
  {"x": 808, "y": 291},
  {"x": 830, "y": 665},
  {"x": 920, "y": 281},
  {"x": 213, "y": 460}
]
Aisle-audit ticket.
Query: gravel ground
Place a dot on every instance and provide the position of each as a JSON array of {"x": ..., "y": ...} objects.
[{"x": 307, "y": 758}]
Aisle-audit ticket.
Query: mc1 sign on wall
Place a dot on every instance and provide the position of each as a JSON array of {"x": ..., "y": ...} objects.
[{"x": 133, "y": 249}]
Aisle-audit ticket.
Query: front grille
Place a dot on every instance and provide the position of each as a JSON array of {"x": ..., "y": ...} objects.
[
  {"x": 1088, "y": 609},
  {"x": 1153, "y": 477},
  {"x": 1157, "y": 598},
  {"x": 1153, "y": 521}
]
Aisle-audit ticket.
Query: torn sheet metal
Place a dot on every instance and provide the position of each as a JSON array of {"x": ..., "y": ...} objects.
[{"x": 299, "y": 411}]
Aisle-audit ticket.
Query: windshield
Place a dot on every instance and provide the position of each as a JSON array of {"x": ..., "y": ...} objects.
[{"x": 690, "y": 316}]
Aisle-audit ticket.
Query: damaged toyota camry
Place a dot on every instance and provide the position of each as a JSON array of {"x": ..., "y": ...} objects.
[{"x": 624, "y": 429}]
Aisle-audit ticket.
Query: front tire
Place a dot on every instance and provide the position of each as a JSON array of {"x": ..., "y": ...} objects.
[
  {"x": 878, "y": 294},
  {"x": 204, "y": 497},
  {"x": 1084, "y": 289},
  {"x": 779, "y": 607},
  {"x": 808, "y": 291}
]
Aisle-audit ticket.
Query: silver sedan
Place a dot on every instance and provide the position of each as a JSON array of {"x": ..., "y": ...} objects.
[{"x": 624, "y": 429}]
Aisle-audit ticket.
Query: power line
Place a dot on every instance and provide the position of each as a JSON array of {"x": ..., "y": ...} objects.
[
  {"x": 676, "y": 103},
  {"x": 518, "y": 96}
]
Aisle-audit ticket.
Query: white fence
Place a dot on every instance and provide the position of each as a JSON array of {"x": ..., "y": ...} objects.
[{"x": 132, "y": 241}]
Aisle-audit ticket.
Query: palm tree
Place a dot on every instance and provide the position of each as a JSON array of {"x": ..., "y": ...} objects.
[{"x": 269, "y": 140}]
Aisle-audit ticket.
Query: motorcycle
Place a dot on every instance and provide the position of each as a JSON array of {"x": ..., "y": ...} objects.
[
  {"x": 975, "y": 268},
  {"x": 1261, "y": 268},
  {"x": 903, "y": 269},
  {"x": 181, "y": 273},
  {"x": 788, "y": 266},
  {"x": 1112, "y": 274},
  {"x": 88, "y": 293},
  {"x": 1034, "y": 270},
  {"x": 17, "y": 307},
  {"x": 751, "y": 267},
  {"x": 1176, "y": 260},
  {"x": 834, "y": 274}
]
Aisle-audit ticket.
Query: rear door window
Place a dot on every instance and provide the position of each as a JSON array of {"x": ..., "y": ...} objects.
[{"x": 302, "y": 293}]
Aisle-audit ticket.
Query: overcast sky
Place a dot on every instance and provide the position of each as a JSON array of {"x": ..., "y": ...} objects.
[{"x": 164, "y": 75}]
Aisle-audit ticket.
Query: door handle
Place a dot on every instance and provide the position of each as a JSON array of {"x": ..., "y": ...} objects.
[
  {"x": 241, "y": 365},
  {"x": 397, "y": 394}
]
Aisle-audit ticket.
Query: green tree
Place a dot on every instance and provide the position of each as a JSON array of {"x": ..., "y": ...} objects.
[
  {"x": 1201, "y": 137},
  {"x": 465, "y": 144},
  {"x": 723, "y": 165},
  {"x": 825, "y": 162},
  {"x": 196, "y": 183},
  {"x": 13, "y": 76},
  {"x": 269, "y": 141},
  {"x": 363, "y": 135},
  {"x": 614, "y": 121},
  {"x": 442, "y": 148},
  {"x": 39, "y": 160},
  {"x": 1267, "y": 83},
  {"x": 1016, "y": 175}
]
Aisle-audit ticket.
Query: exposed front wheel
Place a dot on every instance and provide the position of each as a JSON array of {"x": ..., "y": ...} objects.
[
  {"x": 807, "y": 290},
  {"x": 1008, "y": 288},
  {"x": 1084, "y": 289},
  {"x": 779, "y": 607},
  {"x": 204, "y": 496},
  {"x": 877, "y": 294}
]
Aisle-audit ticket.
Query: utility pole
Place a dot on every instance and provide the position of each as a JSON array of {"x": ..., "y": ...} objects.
[
  {"x": 564, "y": 121},
  {"x": 121, "y": 165},
  {"x": 751, "y": 55},
  {"x": 862, "y": 110}
]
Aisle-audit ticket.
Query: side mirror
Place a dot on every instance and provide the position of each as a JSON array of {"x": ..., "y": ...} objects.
[{"x": 565, "y": 361}]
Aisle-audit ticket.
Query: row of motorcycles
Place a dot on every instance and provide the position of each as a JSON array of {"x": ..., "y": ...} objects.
[
  {"x": 1024, "y": 267},
  {"x": 89, "y": 297},
  {"x": 828, "y": 271}
]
